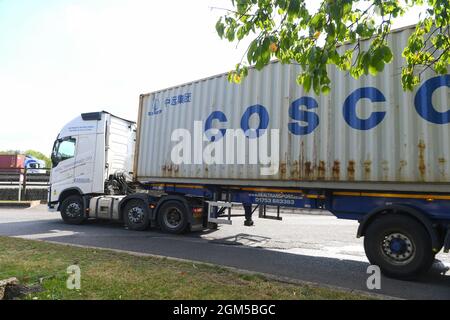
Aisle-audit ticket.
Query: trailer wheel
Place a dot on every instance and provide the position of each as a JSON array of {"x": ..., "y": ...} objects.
[
  {"x": 173, "y": 218},
  {"x": 72, "y": 210},
  {"x": 399, "y": 245},
  {"x": 135, "y": 215}
]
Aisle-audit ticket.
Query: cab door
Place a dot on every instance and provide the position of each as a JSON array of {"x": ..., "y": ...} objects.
[{"x": 84, "y": 164}]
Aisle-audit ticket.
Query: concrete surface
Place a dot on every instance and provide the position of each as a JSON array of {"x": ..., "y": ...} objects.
[{"x": 18, "y": 204}]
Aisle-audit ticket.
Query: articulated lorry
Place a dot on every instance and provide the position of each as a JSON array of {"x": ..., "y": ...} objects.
[{"x": 368, "y": 151}]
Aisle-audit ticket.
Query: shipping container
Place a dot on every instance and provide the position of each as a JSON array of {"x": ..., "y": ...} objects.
[
  {"x": 11, "y": 162},
  {"x": 365, "y": 131}
]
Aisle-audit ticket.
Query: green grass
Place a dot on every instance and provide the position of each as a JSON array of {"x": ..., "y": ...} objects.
[{"x": 111, "y": 275}]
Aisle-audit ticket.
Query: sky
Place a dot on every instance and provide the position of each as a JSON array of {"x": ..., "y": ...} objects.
[{"x": 60, "y": 58}]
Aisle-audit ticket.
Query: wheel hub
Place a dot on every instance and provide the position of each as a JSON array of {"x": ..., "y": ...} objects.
[
  {"x": 173, "y": 218},
  {"x": 398, "y": 248},
  {"x": 73, "y": 210},
  {"x": 136, "y": 215}
]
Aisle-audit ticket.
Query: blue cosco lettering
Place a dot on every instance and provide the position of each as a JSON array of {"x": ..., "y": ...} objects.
[
  {"x": 424, "y": 100},
  {"x": 221, "y": 117},
  {"x": 263, "y": 121},
  {"x": 302, "y": 115},
  {"x": 374, "y": 95}
]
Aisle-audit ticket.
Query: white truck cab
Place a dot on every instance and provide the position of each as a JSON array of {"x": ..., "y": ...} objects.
[
  {"x": 92, "y": 177},
  {"x": 88, "y": 151}
]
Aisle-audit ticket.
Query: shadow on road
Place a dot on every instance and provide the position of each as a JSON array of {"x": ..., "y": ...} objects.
[{"x": 242, "y": 239}]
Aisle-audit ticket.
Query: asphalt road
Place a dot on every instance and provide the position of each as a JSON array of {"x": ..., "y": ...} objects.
[{"x": 319, "y": 249}]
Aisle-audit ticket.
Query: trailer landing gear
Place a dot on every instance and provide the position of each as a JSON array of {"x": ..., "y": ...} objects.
[
  {"x": 220, "y": 212},
  {"x": 248, "y": 216}
]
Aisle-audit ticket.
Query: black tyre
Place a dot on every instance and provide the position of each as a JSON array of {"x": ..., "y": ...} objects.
[
  {"x": 135, "y": 215},
  {"x": 173, "y": 218},
  {"x": 73, "y": 211},
  {"x": 399, "y": 245}
]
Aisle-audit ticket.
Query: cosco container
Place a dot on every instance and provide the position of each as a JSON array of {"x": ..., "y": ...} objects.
[{"x": 367, "y": 133}]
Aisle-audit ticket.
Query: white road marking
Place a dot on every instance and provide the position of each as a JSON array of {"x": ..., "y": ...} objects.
[
  {"x": 334, "y": 253},
  {"x": 51, "y": 234}
]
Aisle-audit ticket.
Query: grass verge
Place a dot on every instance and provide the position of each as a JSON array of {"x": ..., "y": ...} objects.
[{"x": 111, "y": 275}]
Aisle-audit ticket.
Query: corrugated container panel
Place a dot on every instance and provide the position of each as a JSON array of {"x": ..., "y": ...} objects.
[
  {"x": 403, "y": 148},
  {"x": 12, "y": 161},
  {"x": 120, "y": 149}
]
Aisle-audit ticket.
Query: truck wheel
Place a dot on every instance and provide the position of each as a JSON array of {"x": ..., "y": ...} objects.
[
  {"x": 400, "y": 246},
  {"x": 72, "y": 210},
  {"x": 135, "y": 215},
  {"x": 173, "y": 218}
]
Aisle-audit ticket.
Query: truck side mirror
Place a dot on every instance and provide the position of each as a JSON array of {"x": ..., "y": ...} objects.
[
  {"x": 54, "y": 156},
  {"x": 56, "y": 159}
]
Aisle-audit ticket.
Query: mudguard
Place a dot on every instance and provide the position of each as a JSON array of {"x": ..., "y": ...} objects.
[{"x": 403, "y": 209}]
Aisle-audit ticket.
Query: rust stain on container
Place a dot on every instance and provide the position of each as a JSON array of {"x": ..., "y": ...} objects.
[
  {"x": 301, "y": 161},
  {"x": 351, "y": 170},
  {"x": 285, "y": 167},
  {"x": 403, "y": 164},
  {"x": 294, "y": 170},
  {"x": 308, "y": 170},
  {"x": 422, "y": 165},
  {"x": 170, "y": 170},
  {"x": 322, "y": 170},
  {"x": 283, "y": 170},
  {"x": 367, "y": 169},
  {"x": 442, "y": 165},
  {"x": 336, "y": 170},
  {"x": 385, "y": 167}
]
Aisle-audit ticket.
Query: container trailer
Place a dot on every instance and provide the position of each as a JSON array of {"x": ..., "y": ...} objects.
[{"x": 368, "y": 151}]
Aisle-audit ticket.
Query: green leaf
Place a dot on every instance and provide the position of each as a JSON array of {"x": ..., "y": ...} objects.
[
  {"x": 294, "y": 8},
  {"x": 316, "y": 84},
  {"x": 387, "y": 54},
  {"x": 307, "y": 82},
  {"x": 230, "y": 34},
  {"x": 220, "y": 28},
  {"x": 251, "y": 51}
]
